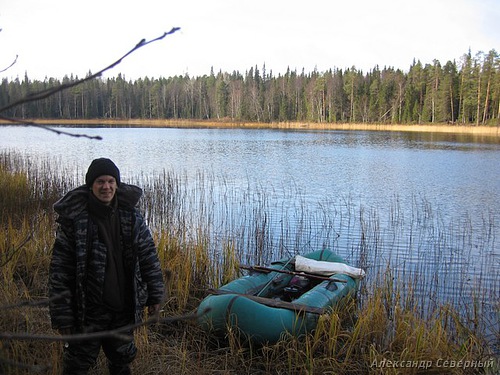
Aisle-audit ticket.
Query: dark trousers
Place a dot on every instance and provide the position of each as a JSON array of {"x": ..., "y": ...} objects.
[{"x": 79, "y": 357}]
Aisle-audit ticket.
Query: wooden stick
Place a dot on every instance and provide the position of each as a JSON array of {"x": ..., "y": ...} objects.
[
  {"x": 274, "y": 303},
  {"x": 308, "y": 275}
]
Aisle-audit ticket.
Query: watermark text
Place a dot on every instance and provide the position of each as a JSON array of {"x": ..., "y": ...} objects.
[{"x": 439, "y": 363}]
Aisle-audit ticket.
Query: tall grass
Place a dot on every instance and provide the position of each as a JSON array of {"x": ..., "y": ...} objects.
[{"x": 415, "y": 306}]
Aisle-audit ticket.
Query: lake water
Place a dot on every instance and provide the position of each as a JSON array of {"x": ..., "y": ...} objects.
[{"x": 414, "y": 203}]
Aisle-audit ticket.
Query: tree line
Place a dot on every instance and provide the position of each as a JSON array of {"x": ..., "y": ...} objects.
[{"x": 464, "y": 92}]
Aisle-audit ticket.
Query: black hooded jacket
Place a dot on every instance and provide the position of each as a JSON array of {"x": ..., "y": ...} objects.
[{"x": 80, "y": 256}]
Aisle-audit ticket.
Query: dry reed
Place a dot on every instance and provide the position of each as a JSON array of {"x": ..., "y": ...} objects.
[{"x": 392, "y": 321}]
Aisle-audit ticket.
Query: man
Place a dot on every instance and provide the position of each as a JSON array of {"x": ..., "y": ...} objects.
[{"x": 104, "y": 269}]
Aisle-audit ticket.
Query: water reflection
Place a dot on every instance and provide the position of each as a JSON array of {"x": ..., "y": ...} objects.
[{"x": 424, "y": 206}]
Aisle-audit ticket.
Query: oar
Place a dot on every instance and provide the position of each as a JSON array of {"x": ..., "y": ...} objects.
[
  {"x": 270, "y": 281},
  {"x": 308, "y": 275},
  {"x": 298, "y": 308}
]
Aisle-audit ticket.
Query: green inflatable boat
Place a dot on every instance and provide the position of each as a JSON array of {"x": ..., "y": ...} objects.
[{"x": 285, "y": 298}]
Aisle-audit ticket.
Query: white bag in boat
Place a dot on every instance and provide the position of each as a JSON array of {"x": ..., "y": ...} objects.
[{"x": 318, "y": 267}]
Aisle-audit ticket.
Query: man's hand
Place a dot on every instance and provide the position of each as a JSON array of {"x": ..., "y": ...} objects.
[{"x": 154, "y": 310}]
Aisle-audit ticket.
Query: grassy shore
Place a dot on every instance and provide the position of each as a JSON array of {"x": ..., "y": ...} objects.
[
  {"x": 490, "y": 131},
  {"x": 383, "y": 332}
]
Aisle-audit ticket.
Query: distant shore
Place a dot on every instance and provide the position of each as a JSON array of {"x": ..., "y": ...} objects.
[{"x": 493, "y": 131}]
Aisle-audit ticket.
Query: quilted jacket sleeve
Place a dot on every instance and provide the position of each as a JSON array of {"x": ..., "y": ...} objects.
[
  {"x": 62, "y": 279},
  {"x": 149, "y": 263}
]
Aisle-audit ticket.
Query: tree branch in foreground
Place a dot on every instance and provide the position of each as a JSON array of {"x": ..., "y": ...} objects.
[
  {"x": 45, "y": 127},
  {"x": 7, "y": 68},
  {"x": 99, "y": 335},
  {"x": 49, "y": 92},
  {"x": 117, "y": 333}
]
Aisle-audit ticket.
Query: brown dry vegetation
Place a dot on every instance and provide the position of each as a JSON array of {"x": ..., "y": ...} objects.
[
  {"x": 383, "y": 326},
  {"x": 487, "y": 131}
]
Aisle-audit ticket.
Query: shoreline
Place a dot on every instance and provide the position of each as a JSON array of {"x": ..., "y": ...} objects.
[{"x": 492, "y": 131}]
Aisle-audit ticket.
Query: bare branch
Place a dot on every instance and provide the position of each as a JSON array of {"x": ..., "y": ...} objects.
[
  {"x": 45, "y": 127},
  {"x": 51, "y": 91},
  {"x": 7, "y": 68},
  {"x": 117, "y": 333},
  {"x": 48, "y": 92},
  {"x": 98, "y": 335}
]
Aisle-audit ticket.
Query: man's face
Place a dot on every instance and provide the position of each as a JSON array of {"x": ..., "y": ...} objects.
[{"x": 104, "y": 188}]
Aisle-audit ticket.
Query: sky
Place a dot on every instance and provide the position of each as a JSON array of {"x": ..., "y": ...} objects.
[{"x": 57, "y": 38}]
